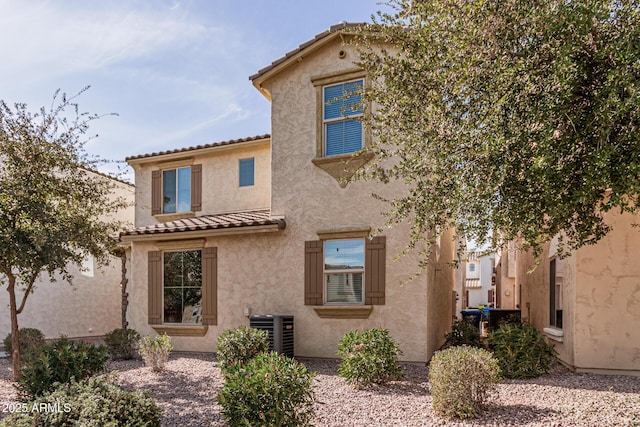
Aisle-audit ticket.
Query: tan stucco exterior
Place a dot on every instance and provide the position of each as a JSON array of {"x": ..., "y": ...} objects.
[
  {"x": 91, "y": 307},
  {"x": 264, "y": 273},
  {"x": 601, "y": 300}
]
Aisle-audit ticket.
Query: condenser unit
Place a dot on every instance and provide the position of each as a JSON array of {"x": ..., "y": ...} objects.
[{"x": 280, "y": 328}]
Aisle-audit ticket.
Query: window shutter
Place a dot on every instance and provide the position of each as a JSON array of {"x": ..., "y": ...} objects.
[
  {"x": 156, "y": 192},
  {"x": 210, "y": 286},
  {"x": 313, "y": 280},
  {"x": 196, "y": 188},
  {"x": 375, "y": 271},
  {"x": 155, "y": 287}
]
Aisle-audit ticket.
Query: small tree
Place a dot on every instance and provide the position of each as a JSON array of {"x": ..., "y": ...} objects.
[{"x": 52, "y": 207}]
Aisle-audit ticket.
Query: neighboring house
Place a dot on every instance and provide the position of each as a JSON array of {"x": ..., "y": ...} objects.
[
  {"x": 212, "y": 245},
  {"x": 479, "y": 283},
  {"x": 89, "y": 308},
  {"x": 588, "y": 304}
]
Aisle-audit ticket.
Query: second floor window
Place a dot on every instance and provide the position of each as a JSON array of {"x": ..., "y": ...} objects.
[
  {"x": 342, "y": 110},
  {"x": 176, "y": 190}
]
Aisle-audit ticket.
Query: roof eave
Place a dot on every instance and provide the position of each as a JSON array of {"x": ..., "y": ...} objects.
[
  {"x": 297, "y": 55},
  {"x": 278, "y": 225}
]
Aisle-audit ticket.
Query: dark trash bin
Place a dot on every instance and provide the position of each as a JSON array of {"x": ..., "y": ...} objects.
[{"x": 473, "y": 316}]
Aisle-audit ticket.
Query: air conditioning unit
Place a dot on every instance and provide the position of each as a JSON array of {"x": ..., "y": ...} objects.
[{"x": 280, "y": 328}]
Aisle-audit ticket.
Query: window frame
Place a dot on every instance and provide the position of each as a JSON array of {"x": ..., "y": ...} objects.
[
  {"x": 201, "y": 287},
  {"x": 342, "y": 118},
  {"x": 327, "y": 272},
  {"x": 555, "y": 293},
  {"x": 177, "y": 188},
  {"x": 253, "y": 171}
]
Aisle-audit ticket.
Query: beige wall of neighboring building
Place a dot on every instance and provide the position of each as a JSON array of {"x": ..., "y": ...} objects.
[
  {"x": 601, "y": 300},
  {"x": 91, "y": 307}
]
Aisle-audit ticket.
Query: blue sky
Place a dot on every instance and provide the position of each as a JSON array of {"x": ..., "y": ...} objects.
[{"x": 176, "y": 72}]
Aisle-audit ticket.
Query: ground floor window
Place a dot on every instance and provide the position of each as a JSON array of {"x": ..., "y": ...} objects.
[
  {"x": 182, "y": 287},
  {"x": 555, "y": 292},
  {"x": 344, "y": 271}
]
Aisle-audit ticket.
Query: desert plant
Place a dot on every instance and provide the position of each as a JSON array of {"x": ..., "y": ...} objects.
[
  {"x": 463, "y": 332},
  {"x": 30, "y": 339},
  {"x": 522, "y": 351},
  {"x": 270, "y": 390},
  {"x": 240, "y": 345},
  {"x": 462, "y": 379},
  {"x": 59, "y": 362},
  {"x": 122, "y": 343},
  {"x": 93, "y": 402},
  {"x": 155, "y": 351},
  {"x": 369, "y": 357}
]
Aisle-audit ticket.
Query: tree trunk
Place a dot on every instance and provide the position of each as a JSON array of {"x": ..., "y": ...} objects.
[
  {"x": 123, "y": 285},
  {"x": 15, "y": 336}
]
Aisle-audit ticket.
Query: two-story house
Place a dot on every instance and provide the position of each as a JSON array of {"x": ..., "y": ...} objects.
[{"x": 267, "y": 225}]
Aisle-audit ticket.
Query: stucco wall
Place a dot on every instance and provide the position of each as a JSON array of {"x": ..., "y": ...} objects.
[
  {"x": 220, "y": 183},
  {"x": 607, "y": 312},
  {"x": 601, "y": 300},
  {"x": 312, "y": 200},
  {"x": 90, "y": 308}
]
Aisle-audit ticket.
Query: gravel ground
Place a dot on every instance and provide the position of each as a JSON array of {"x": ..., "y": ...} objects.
[{"x": 187, "y": 393}]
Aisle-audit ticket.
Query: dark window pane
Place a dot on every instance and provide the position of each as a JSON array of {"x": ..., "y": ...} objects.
[{"x": 169, "y": 191}]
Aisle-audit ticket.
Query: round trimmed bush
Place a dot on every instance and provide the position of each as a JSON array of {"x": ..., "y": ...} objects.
[
  {"x": 240, "y": 345},
  {"x": 95, "y": 402},
  {"x": 122, "y": 343},
  {"x": 522, "y": 351},
  {"x": 31, "y": 341},
  {"x": 462, "y": 379},
  {"x": 59, "y": 362},
  {"x": 369, "y": 357},
  {"x": 463, "y": 332},
  {"x": 269, "y": 390}
]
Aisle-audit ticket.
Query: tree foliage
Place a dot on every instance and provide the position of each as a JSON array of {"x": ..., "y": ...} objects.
[
  {"x": 515, "y": 116},
  {"x": 54, "y": 211}
]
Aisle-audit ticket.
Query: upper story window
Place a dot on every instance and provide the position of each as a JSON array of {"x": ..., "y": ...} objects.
[
  {"x": 247, "y": 172},
  {"x": 342, "y": 108},
  {"x": 472, "y": 267},
  {"x": 176, "y": 190}
]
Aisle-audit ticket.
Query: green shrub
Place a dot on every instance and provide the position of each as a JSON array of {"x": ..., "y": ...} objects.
[
  {"x": 155, "y": 351},
  {"x": 521, "y": 351},
  {"x": 122, "y": 343},
  {"x": 59, "y": 362},
  {"x": 462, "y": 379},
  {"x": 463, "y": 332},
  {"x": 369, "y": 357},
  {"x": 31, "y": 340},
  {"x": 240, "y": 345},
  {"x": 270, "y": 390},
  {"x": 95, "y": 402}
]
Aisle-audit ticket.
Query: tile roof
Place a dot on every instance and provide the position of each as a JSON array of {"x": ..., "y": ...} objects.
[
  {"x": 199, "y": 147},
  {"x": 210, "y": 222},
  {"x": 333, "y": 29}
]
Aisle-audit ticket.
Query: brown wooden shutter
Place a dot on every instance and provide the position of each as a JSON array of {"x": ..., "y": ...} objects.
[
  {"x": 156, "y": 192},
  {"x": 210, "y": 286},
  {"x": 196, "y": 188},
  {"x": 155, "y": 287},
  {"x": 375, "y": 270},
  {"x": 313, "y": 280}
]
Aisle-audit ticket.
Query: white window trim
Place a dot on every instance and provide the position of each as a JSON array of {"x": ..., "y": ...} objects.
[
  {"x": 177, "y": 212},
  {"x": 187, "y": 249},
  {"x": 342, "y": 118},
  {"x": 326, "y": 273}
]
